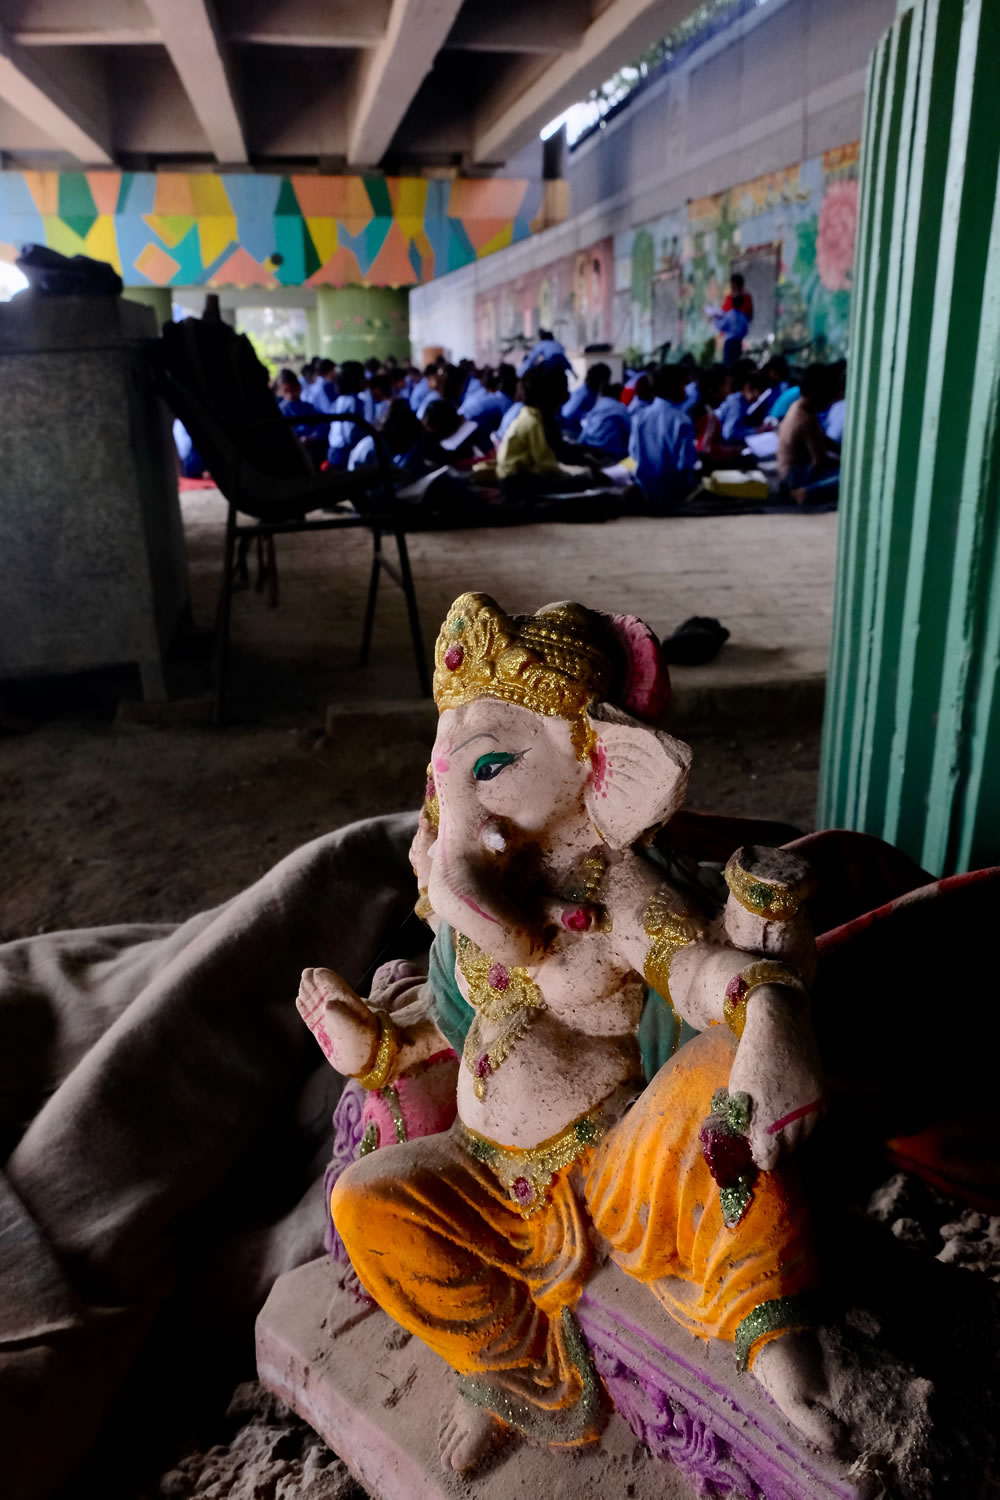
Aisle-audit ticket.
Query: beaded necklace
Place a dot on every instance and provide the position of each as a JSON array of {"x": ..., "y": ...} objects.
[{"x": 496, "y": 993}]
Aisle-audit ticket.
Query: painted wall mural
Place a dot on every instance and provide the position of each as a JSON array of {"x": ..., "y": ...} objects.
[
  {"x": 231, "y": 229},
  {"x": 804, "y": 216},
  {"x": 572, "y": 296}
]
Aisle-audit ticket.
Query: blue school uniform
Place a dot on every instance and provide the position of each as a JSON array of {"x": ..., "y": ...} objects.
[
  {"x": 832, "y": 420},
  {"x": 734, "y": 327},
  {"x": 663, "y": 447},
  {"x": 487, "y": 410},
  {"x": 508, "y": 417},
  {"x": 787, "y": 399},
  {"x": 548, "y": 352},
  {"x": 580, "y": 403},
  {"x": 607, "y": 427},
  {"x": 428, "y": 400},
  {"x": 294, "y": 407},
  {"x": 343, "y": 436},
  {"x": 732, "y": 415},
  {"x": 418, "y": 393}
]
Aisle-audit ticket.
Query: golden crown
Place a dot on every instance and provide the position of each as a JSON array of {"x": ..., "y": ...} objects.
[{"x": 556, "y": 663}]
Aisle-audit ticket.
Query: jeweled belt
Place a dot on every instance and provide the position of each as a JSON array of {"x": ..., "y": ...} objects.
[{"x": 527, "y": 1172}]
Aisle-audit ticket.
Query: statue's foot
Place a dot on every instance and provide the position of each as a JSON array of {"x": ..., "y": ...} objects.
[
  {"x": 468, "y": 1435},
  {"x": 791, "y": 1371}
]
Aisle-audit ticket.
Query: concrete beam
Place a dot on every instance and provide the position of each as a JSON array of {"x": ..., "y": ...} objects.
[
  {"x": 525, "y": 26},
  {"x": 308, "y": 23},
  {"x": 390, "y": 75},
  {"x": 199, "y": 52},
  {"x": 33, "y": 92},
  {"x": 521, "y": 105}
]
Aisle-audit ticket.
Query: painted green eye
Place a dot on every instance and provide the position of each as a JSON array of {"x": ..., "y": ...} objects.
[{"x": 492, "y": 763}]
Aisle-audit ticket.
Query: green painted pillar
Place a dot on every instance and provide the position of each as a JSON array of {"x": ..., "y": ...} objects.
[
  {"x": 362, "y": 322},
  {"x": 312, "y": 332},
  {"x": 911, "y": 747},
  {"x": 159, "y": 298}
]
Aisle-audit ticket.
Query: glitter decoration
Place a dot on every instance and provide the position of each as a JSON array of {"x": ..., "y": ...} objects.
[
  {"x": 391, "y": 1098},
  {"x": 454, "y": 657},
  {"x": 742, "y": 985},
  {"x": 431, "y": 810},
  {"x": 498, "y": 978},
  {"x": 379, "y": 1069},
  {"x": 369, "y": 1141},
  {"x": 727, "y": 1153},
  {"x": 735, "y": 1199},
  {"x": 774, "y": 901},
  {"x": 557, "y": 663},
  {"x": 779, "y": 1315},
  {"x": 484, "y": 1065},
  {"x": 526, "y": 1173},
  {"x": 565, "y": 1426},
  {"x": 670, "y": 931}
]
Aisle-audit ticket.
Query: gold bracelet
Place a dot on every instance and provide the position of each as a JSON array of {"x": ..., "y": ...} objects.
[
  {"x": 742, "y": 985},
  {"x": 776, "y": 901},
  {"x": 379, "y": 1070}
]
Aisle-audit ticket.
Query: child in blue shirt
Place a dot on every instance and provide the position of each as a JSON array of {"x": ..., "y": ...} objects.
[
  {"x": 606, "y": 429},
  {"x": 662, "y": 442}
]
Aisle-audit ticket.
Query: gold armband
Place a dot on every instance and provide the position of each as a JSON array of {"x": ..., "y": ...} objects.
[
  {"x": 670, "y": 932},
  {"x": 384, "y": 1054},
  {"x": 742, "y": 985},
  {"x": 769, "y": 883}
]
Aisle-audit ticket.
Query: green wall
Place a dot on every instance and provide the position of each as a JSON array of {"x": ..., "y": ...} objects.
[
  {"x": 912, "y": 735},
  {"x": 357, "y": 322}
]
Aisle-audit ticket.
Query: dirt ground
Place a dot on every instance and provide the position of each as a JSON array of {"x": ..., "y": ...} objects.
[{"x": 123, "y": 822}]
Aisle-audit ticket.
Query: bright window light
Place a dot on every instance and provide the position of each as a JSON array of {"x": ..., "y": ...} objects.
[{"x": 11, "y": 280}]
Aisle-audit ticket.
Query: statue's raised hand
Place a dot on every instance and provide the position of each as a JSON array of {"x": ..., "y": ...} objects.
[
  {"x": 777, "y": 1064},
  {"x": 346, "y": 1027}
]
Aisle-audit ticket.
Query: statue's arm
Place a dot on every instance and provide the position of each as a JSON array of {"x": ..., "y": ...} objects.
[{"x": 738, "y": 970}]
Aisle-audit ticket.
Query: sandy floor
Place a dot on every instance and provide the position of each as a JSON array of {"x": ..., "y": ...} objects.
[{"x": 110, "y": 812}]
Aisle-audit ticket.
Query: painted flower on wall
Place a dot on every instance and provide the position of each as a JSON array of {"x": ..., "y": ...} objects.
[{"x": 838, "y": 223}]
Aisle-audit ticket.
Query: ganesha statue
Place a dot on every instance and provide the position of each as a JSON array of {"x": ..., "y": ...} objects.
[{"x": 635, "y": 1060}]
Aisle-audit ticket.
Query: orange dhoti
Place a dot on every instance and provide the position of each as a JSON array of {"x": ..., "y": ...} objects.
[{"x": 441, "y": 1246}]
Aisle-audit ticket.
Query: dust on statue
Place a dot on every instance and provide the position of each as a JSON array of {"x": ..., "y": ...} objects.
[{"x": 636, "y": 1069}]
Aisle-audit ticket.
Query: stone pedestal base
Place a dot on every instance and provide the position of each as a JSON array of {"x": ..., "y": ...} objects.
[{"x": 378, "y": 1397}]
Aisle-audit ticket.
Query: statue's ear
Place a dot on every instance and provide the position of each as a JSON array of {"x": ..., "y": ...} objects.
[{"x": 639, "y": 776}]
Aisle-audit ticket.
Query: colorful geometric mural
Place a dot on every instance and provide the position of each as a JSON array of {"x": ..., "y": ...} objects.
[
  {"x": 229, "y": 229},
  {"x": 806, "y": 216},
  {"x": 571, "y": 296}
]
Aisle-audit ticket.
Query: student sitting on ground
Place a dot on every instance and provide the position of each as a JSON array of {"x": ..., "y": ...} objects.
[
  {"x": 324, "y": 388},
  {"x": 642, "y": 395},
  {"x": 289, "y": 393},
  {"x": 422, "y": 387},
  {"x": 606, "y": 429},
  {"x": 402, "y": 434},
  {"x": 743, "y": 410},
  {"x": 380, "y": 391},
  {"x": 832, "y": 420},
  {"x": 343, "y": 436},
  {"x": 713, "y": 389},
  {"x": 807, "y": 467},
  {"x": 583, "y": 399},
  {"x": 662, "y": 442},
  {"x": 486, "y": 406},
  {"x": 527, "y": 464}
]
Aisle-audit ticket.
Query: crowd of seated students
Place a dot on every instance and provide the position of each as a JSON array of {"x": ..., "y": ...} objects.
[{"x": 521, "y": 435}]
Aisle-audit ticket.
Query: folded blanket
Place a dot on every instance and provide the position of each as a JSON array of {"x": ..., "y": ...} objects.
[{"x": 148, "y": 1077}]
